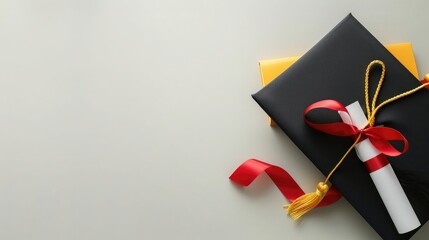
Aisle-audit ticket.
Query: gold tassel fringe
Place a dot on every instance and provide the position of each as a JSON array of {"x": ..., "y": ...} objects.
[{"x": 306, "y": 202}]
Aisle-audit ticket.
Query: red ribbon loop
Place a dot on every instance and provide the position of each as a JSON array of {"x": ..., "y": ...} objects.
[
  {"x": 380, "y": 137},
  {"x": 336, "y": 128}
]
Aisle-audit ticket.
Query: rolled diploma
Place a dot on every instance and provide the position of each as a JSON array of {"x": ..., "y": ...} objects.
[{"x": 385, "y": 180}]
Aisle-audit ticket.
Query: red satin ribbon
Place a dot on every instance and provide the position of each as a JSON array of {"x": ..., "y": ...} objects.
[
  {"x": 379, "y": 136},
  {"x": 252, "y": 168},
  {"x": 375, "y": 163}
]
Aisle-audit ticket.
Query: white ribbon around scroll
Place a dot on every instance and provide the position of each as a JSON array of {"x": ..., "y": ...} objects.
[{"x": 385, "y": 180}]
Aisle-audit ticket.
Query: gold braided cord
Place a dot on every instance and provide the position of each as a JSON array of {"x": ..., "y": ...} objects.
[
  {"x": 377, "y": 91},
  {"x": 344, "y": 157},
  {"x": 398, "y": 97}
]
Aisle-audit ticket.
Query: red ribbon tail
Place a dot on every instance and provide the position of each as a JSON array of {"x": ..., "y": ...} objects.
[{"x": 247, "y": 172}]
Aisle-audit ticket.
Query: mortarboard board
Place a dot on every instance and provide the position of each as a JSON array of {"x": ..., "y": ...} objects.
[
  {"x": 334, "y": 69},
  {"x": 272, "y": 68}
]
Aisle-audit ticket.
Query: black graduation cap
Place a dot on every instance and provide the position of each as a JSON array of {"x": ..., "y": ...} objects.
[{"x": 335, "y": 69}]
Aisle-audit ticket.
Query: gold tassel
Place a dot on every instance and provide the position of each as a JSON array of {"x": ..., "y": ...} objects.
[{"x": 306, "y": 202}]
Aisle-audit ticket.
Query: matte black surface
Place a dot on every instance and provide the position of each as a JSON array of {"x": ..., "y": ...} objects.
[{"x": 334, "y": 69}]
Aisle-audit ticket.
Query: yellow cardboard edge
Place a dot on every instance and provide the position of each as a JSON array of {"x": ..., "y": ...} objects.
[{"x": 405, "y": 54}]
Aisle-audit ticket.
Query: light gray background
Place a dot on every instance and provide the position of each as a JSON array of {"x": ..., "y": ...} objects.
[{"x": 124, "y": 119}]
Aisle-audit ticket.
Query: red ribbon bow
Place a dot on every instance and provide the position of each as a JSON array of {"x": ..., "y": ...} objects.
[{"x": 380, "y": 137}]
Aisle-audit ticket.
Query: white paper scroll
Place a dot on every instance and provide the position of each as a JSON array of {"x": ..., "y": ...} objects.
[{"x": 385, "y": 180}]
